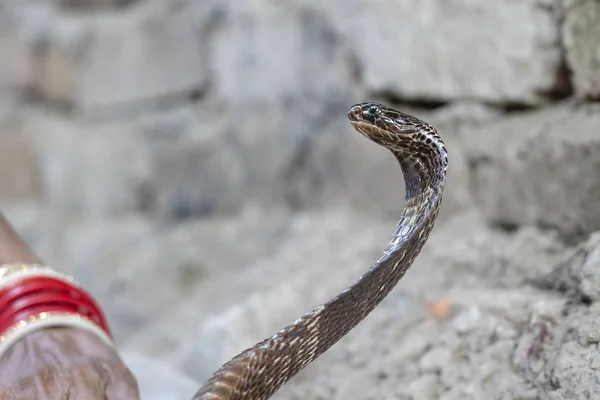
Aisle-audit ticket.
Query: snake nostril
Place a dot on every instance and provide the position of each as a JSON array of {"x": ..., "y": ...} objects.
[{"x": 355, "y": 112}]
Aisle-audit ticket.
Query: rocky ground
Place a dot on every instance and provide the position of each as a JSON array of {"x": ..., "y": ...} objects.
[{"x": 203, "y": 182}]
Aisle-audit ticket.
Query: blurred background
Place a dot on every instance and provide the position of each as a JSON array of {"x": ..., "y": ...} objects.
[{"x": 191, "y": 163}]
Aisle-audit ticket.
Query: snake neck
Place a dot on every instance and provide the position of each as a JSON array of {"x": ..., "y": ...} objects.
[{"x": 424, "y": 178}]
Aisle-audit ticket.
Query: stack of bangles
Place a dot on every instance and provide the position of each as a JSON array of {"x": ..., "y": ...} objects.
[{"x": 35, "y": 297}]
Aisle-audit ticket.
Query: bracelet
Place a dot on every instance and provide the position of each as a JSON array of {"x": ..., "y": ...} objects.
[
  {"x": 34, "y": 297},
  {"x": 42, "y": 320},
  {"x": 12, "y": 272},
  {"x": 30, "y": 291}
]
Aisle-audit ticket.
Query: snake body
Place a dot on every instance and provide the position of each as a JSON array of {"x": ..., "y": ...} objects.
[{"x": 258, "y": 372}]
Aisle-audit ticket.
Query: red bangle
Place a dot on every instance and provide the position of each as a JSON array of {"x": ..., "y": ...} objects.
[
  {"x": 35, "y": 297},
  {"x": 50, "y": 300},
  {"x": 37, "y": 294},
  {"x": 25, "y": 287}
]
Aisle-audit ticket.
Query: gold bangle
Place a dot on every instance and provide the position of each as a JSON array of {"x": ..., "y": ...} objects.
[
  {"x": 10, "y": 273},
  {"x": 45, "y": 320}
]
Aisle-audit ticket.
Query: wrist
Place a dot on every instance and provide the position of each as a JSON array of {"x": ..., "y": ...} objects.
[
  {"x": 65, "y": 362},
  {"x": 35, "y": 297}
]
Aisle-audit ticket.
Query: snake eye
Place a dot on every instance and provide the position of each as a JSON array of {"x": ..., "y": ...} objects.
[{"x": 371, "y": 113}]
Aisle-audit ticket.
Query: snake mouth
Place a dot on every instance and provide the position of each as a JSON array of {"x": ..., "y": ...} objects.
[
  {"x": 363, "y": 118},
  {"x": 371, "y": 121}
]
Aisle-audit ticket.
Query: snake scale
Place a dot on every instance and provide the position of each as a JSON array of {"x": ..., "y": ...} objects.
[{"x": 258, "y": 372}]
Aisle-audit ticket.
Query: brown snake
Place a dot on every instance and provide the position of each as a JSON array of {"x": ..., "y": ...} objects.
[{"x": 258, "y": 372}]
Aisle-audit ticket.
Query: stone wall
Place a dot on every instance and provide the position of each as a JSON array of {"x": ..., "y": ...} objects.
[{"x": 198, "y": 151}]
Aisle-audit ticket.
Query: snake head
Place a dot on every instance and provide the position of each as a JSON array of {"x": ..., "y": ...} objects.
[{"x": 381, "y": 124}]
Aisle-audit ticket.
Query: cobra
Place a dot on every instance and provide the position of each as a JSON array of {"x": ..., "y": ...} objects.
[{"x": 258, "y": 372}]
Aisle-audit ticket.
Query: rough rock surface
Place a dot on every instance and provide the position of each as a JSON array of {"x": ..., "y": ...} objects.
[
  {"x": 192, "y": 165},
  {"x": 539, "y": 168},
  {"x": 231, "y": 157},
  {"x": 501, "y": 51},
  {"x": 102, "y": 63},
  {"x": 246, "y": 69},
  {"x": 581, "y": 32}
]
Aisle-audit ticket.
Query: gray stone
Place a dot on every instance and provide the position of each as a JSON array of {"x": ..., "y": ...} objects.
[
  {"x": 303, "y": 154},
  {"x": 269, "y": 51},
  {"x": 423, "y": 387},
  {"x": 204, "y": 159},
  {"x": 574, "y": 373},
  {"x": 539, "y": 168},
  {"x": 86, "y": 247},
  {"x": 504, "y": 51},
  {"x": 580, "y": 36},
  {"x": 104, "y": 62},
  {"x": 84, "y": 167},
  {"x": 467, "y": 320},
  {"x": 532, "y": 255},
  {"x": 172, "y": 164},
  {"x": 435, "y": 359},
  {"x": 465, "y": 113},
  {"x": 197, "y": 270},
  {"x": 198, "y": 165},
  {"x": 510, "y": 260},
  {"x": 578, "y": 274},
  {"x": 417, "y": 341},
  {"x": 589, "y": 273},
  {"x": 16, "y": 68},
  {"x": 336, "y": 165}
]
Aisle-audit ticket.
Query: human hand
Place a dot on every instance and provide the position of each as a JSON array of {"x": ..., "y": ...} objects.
[{"x": 58, "y": 362}]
